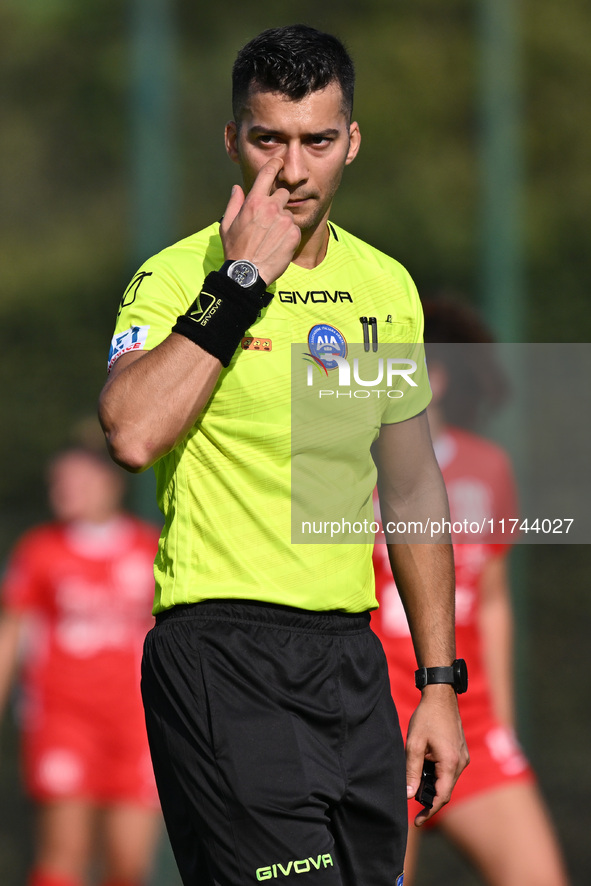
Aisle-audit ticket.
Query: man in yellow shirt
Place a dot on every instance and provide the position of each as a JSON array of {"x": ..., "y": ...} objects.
[{"x": 273, "y": 735}]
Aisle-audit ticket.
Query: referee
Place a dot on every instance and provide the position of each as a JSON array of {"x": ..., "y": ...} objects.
[{"x": 274, "y": 738}]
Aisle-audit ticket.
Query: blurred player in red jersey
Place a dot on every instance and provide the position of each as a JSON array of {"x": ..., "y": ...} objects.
[
  {"x": 77, "y": 598},
  {"x": 496, "y": 816}
]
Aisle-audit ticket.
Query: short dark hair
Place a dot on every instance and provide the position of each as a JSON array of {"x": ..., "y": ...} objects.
[
  {"x": 294, "y": 60},
  {"x": 457, "y": 337}
]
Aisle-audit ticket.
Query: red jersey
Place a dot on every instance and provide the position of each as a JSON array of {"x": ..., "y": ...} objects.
[
  {"x": 87, "y": 591},
  {"x": 480, "y": 487},
  {"x": 90, "y": 591}
]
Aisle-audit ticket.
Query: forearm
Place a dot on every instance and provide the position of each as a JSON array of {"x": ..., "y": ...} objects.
[
  {"x": 412, "y": 498},
  {"x": 153, "y": 398},
  {"x": 498, "y": 661},
  {"x": 10, "y": 632},
  {"x": 424, "y": 575}
]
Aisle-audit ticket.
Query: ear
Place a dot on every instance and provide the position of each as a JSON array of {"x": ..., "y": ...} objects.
[
  {"x": 231, "y": 141},
  {"x": 354, "y": 142}
]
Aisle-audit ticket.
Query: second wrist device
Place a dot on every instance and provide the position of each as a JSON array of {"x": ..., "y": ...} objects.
[{"x": 456, "y": 674}]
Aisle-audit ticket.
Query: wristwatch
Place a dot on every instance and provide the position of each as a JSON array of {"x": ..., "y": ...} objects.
[
  {"x": 456, "y": 674},
  {"x": 242, "y": 272}
]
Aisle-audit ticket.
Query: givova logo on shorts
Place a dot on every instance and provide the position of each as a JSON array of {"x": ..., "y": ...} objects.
[{"x": 301, "y": 866}]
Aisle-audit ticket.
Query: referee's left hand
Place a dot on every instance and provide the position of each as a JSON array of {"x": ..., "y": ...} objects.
[{"x": 435, "y": 733}]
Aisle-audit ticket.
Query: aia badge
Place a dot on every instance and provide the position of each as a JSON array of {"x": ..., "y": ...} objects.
[
  {"x": 400, "y": 880},
  {"x": 326, "y": 343}
]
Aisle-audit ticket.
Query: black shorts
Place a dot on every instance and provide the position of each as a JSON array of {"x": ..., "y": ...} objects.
[{"x": 276, "y": 746}]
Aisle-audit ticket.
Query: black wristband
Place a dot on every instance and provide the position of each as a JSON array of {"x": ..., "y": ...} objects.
[
  {"x": 221, "y": 314},
  {"x": 456, "y": 675}
]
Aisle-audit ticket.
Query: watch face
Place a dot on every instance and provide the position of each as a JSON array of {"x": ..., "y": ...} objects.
[
  {"x": 460, "y": 675},
  {"x": 244, "y": 273}
]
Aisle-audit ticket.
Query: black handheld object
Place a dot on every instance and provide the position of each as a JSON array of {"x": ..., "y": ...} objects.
[{"x": 426, "y": 790}]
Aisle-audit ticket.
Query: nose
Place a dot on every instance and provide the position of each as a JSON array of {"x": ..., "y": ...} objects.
[{"x": 295, "y": 170}]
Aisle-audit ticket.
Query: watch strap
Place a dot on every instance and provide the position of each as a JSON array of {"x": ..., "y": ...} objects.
[{"x": 426, "y": 676}]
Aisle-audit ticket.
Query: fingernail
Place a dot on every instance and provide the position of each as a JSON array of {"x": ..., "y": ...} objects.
[{"x": 409, "y": 791}]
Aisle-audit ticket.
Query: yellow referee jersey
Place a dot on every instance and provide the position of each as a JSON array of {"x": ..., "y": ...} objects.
[{"x": 235, "y": 492}]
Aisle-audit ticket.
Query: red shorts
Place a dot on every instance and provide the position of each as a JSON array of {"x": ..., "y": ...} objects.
[{"x": 70, "y": 753}]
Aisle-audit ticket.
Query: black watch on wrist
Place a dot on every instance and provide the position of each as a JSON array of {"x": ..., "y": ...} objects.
[
  {"x": 456, "y": 675},
  {"x": 244, "y": 273}
]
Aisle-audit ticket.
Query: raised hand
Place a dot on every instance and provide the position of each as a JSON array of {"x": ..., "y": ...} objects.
[{"x": 258, "y": 227}]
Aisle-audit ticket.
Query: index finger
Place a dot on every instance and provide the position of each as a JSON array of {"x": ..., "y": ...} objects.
[{"x": 263, "y": 183}]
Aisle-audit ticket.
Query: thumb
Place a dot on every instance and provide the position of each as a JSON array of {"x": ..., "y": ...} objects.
[
  {"x": 233, "y": 208},
  {"x": 414, "y": 771}
]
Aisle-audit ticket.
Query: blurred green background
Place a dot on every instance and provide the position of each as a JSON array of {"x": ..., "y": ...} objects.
[{"x": 81, "y": 207}]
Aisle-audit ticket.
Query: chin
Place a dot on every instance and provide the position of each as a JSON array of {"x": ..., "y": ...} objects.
[{"x": 308, "y": 222}]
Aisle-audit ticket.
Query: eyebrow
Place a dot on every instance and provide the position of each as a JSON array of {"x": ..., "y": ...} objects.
[{"x": 258, "y": 129}]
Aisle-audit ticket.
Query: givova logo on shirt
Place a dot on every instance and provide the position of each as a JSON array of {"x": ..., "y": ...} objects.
[{"x": 301, "y": 866}]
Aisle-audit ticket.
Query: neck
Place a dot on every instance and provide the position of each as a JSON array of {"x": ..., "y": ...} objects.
[
  {"x": 95, "y": 519},
  {"x": 313, "y": 246}
]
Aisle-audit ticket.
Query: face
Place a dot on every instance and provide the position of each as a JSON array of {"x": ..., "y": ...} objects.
[
  {"x": 314, "y": 139},
  {"x": 83, "y": 489}
]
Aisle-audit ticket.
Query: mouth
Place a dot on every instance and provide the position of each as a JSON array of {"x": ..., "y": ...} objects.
[{"x": 294, "y": 202}]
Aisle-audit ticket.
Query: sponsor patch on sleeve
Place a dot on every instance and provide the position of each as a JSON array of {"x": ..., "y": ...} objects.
[{"x": 132, "y": 339}]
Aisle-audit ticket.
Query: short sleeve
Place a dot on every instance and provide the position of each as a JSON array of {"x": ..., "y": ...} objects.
[
  {"x": 163, "y": 289},
  {"x": 148, "y": 310},
  {"x": 407, "y": 367}
]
